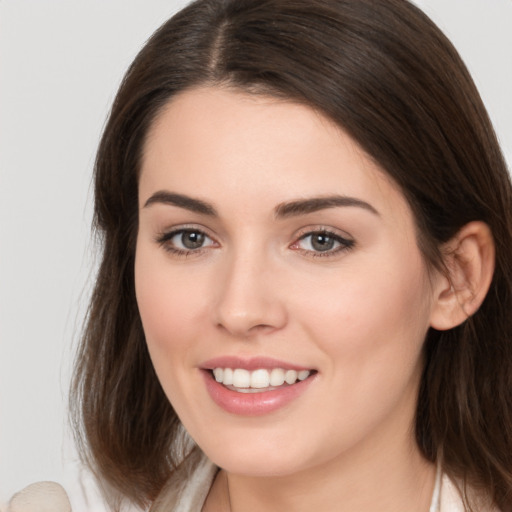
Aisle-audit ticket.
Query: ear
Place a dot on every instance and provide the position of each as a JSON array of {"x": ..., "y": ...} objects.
[{"x": 469, "y": 260}]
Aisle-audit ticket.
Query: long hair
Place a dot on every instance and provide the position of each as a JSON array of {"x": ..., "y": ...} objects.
[{"x": 385, "y": 73}]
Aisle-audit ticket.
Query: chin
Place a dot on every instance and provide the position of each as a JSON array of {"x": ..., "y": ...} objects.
[
  {"x": 260, "y": 466},
  {"x": 259, "y": 455}
]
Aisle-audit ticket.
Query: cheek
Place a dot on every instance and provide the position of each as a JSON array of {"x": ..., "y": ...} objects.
[
  {"x": 371, "y": 329},
  {"x": 372, "y": 320},
  {"x": 168, "y": 302}
]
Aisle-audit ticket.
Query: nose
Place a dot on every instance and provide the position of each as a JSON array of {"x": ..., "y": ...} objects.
[{"x": 250, "y": 299}]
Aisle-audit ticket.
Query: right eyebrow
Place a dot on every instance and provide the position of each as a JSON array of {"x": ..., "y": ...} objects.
[{"x": 182, "y": 201}]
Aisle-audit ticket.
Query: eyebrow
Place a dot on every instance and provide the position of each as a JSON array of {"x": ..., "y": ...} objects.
[
  {"x": 282, "y": 211},
  {"x": 305, "y": 206},
  {"x": 182, "y": 201}
]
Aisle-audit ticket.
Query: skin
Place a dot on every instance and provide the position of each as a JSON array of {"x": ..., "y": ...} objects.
[{"x": 358, "y": 315}]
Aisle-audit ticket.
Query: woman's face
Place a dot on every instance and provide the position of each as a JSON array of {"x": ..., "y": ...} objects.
[{"x": 270, "y": 247}]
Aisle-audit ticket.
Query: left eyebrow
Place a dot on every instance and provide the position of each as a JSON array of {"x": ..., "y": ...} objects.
[{"x": 314, "y": 204}]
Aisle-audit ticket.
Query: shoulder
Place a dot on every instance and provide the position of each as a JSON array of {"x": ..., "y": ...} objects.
[
  {"x": 190, "y": 492},
  {"x": 451, "y": 498}
]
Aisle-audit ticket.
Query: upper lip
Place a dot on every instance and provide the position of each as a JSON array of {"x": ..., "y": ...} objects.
[{"x": 252, "y": 363}]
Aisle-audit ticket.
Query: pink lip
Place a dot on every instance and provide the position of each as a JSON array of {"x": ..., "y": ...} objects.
[
  {"x": 253, "y": 404},
  {"x": 251, "y": 364}
]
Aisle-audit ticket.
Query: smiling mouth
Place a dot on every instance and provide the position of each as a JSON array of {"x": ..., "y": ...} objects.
[{"x": 260, "y": 380}]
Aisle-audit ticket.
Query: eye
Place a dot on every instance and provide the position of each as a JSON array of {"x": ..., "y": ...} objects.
[
  {"x": 185, "y": 241},
  {"x": 189, "y": 240},
  {"x": 322, "y": 243}
]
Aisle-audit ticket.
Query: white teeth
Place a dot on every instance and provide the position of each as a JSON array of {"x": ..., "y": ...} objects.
[
  {"x": 241, "y": 378},
  {"x": 258, "y": 379},
  {"x": 277, "y": 377},
  {"x": 228, "y": 377},
  {"x": 302, "y": 375},
  {"x": 290, "y": 377}
]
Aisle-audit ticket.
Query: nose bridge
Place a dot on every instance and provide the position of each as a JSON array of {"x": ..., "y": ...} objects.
[{"x": 248, "y": 301}]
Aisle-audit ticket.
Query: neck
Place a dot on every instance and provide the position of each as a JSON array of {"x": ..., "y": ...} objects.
[
  {"x": 396, "y": 480},
  {"x": 383, "y": 487}
]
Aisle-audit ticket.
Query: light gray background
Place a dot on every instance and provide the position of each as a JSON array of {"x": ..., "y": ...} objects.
[{"x": 60, "y": 64}]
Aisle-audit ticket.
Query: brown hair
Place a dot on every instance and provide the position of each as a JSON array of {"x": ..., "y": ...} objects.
[{"x": 385, "y": 73}]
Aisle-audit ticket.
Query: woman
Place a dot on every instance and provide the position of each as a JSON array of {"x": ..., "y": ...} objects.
[{"x": 306, "y": 226}]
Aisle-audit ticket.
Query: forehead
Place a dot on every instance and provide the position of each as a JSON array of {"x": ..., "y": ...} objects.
[{"x": 222, "y": 144}]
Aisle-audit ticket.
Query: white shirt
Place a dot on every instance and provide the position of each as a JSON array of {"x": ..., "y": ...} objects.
[{"x": 445, "y": 498}]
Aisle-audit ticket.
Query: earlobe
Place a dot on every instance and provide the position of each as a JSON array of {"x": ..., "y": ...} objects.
[{"x": 469, "y": 260}]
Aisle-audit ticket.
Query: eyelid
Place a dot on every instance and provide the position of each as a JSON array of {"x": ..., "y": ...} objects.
[
  {"x": 164, "y": 237},
  {"x": 346, "y": 242},
  {"x": 322, "y": 228},
  {"x": 184, "y": 227}
]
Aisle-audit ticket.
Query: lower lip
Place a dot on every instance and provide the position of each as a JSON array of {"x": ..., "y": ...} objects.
[{"x": 253, "y": 404}]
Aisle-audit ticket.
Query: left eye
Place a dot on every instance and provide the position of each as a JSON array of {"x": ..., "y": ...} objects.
[{"x": 322, "y": 242}]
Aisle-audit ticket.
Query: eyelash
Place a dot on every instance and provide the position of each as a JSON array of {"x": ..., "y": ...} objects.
[
  {"x": 344, "y": 244},
  {"x": 165, "y": 240}
]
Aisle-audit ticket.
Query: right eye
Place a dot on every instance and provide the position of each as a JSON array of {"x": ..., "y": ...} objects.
[{"x": 185, "y": 241}]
